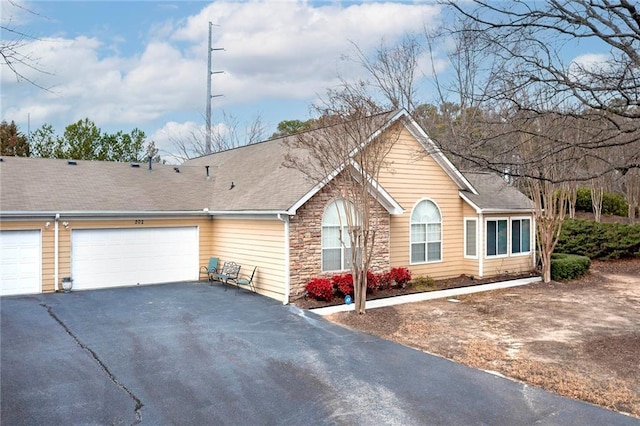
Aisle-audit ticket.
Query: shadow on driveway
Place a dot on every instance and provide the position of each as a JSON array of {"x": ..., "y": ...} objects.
[{"x": 195, "y": 354}]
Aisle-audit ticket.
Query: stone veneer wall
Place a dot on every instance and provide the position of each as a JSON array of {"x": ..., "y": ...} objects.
[{"x": 305, "y": 234}]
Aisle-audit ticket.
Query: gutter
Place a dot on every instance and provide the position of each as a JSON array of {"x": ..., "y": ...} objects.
[
  {"x": 480, "y": 210},
  {"x": 55, "y": 252},
  {"x": 287, "y": 261},
  {"x": 101, "y": 213}
]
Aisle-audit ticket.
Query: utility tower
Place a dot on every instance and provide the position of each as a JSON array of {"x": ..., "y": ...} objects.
[{"x": 209, "y": 95}]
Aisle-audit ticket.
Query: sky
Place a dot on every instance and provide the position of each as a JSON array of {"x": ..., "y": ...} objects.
[{"x": 143, "y": 64}]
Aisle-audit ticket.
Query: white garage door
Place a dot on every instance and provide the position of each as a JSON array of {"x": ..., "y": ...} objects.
[
  {"x": 122, "y": 257},
  {"x": 19, "y": 262}
]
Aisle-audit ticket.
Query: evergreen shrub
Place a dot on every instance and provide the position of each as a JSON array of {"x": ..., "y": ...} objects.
[
  {"x": 599, "y": 240},
  {"x": 568, "y": 266}
]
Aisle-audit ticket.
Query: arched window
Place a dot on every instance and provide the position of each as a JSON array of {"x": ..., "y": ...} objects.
[
  {"x": 426, "y": 233},
  {"x": 336, "y": 243}
]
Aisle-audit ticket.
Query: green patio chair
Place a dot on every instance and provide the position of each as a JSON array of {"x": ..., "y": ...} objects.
[
  {"x": 247, "y": 281},
  {"x": 210, "y": 269}
]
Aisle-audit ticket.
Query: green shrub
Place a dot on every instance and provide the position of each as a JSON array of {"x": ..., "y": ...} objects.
[
  {"x": 568, "y": 266},
  {"x": 599, "y": 240},
  {"x": 422, "y": 282},
  {"x": 583, "y": 200},
  {"x": 613, "y": 204}
]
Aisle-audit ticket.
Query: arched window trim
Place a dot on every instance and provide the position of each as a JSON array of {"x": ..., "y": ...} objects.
[
  {"x": 331, "y": 247},
  {"x": 425, "y": 243}
]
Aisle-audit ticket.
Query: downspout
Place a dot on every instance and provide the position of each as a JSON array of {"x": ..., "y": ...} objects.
[
  {"x": 287, "y": 267},
  {"x": 55, "y": 252},
  {"x": 482, "y": 238}
]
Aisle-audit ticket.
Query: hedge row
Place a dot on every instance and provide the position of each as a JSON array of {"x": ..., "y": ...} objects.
[
  {"x": 599, "y": 240},
  {"x": 612, "y": 203},
  {"x": 568, "y": 266}
]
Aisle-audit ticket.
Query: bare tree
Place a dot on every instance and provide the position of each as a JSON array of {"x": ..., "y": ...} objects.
[
  {"x": 229, "y": 134},
  {"x": 528, "y": 39},
  {"x": 14, "y": 43},
  {"x": 346, "y": 153},
  {"x": 393, "y": 70}
]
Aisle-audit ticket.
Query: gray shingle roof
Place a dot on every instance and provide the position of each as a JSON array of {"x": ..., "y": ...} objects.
[
  {"x": 39, "y": 185},
  {"x": 261, "y": 184},
  {"x": 261, "y": 180},
  {"x": 495, "y": 194}
]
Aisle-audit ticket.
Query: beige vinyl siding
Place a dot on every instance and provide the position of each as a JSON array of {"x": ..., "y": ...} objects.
[
  {"x": 254, "y": 242},
  {"x": 507, "y": 265},
  {"x": 413, "y": 175}
]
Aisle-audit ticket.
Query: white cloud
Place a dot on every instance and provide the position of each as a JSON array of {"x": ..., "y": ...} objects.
[
  {"x": 282, "y": 50},
  {"x": 590, "y": 62}
]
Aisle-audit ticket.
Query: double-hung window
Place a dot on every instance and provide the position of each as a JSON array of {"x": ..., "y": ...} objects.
[
  {"x": 520, "y": 236},
  {"x": 336, "y": 241},
  {"x": 497, "y": 237},
  {"x": 426, "y": 233},
  {"x": 471, "y": 238}
]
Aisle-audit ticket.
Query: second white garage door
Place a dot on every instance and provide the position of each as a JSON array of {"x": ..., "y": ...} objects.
[{"x": 122, "y": 257}]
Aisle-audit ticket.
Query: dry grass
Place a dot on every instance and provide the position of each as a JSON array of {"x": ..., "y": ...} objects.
[{"x": 613, "y": 394}]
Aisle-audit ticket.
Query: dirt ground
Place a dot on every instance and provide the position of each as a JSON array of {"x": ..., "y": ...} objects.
[{"x": 580, "y": 339}]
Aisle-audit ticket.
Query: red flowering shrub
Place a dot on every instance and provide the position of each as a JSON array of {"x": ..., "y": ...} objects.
[
  {"x": 385, "y": 281},
  {"x": 320, "y": 289},
  {"x": 372, "y": 282},
  {"x": 400, "y": 275},
  {"x": 343, "y": 283}
]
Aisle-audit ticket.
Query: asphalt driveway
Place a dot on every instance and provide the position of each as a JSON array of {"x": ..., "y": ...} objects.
[{"x": 195, "y": 354}]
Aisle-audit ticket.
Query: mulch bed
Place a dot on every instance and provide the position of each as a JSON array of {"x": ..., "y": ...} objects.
[{"x": 457, "y": 282}]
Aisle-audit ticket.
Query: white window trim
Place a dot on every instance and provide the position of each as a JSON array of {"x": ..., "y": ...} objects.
[
  {"x": 342, "y": 245},
  {"x": 441, "y": 235},
  {"x": 525, "y": 253},
  {"x": 464, "y": 248},
  {"x": 486, "y": 235}
]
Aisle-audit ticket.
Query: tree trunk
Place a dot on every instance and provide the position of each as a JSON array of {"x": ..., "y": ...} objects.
[{"x": 597, "y": 193}]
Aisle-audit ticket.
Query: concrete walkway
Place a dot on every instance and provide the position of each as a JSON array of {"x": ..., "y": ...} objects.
[{"x": 429, "y": 295}]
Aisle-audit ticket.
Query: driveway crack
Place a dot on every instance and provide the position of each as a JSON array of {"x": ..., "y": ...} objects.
[{"x": 95, "y": 357}]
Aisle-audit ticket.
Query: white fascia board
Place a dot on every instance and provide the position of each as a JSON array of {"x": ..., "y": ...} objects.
[
  {"x": 378, "y": 192},
  {"x": 480, "y": 210},
  {"x": 497, "y": 211},
  {"x": 292, "y": 210},
  {"x": 103, "y": 213},
  {"x": 471, "y": 203},
  {"x": 250, "y": 216},
  {"x": 399, "y": 114},
  {"x": 313, "y": 191},
  {"x": 418, "y": 132}
]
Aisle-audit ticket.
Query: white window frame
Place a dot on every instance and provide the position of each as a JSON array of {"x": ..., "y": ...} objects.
[
  {"x": 475, "y": 220},
  {"x": 426, "y": 242},
  {"x": 529, "y": 249},
  {"x": 345, "y": 242},
  {"x": 486, "y": 237}
]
